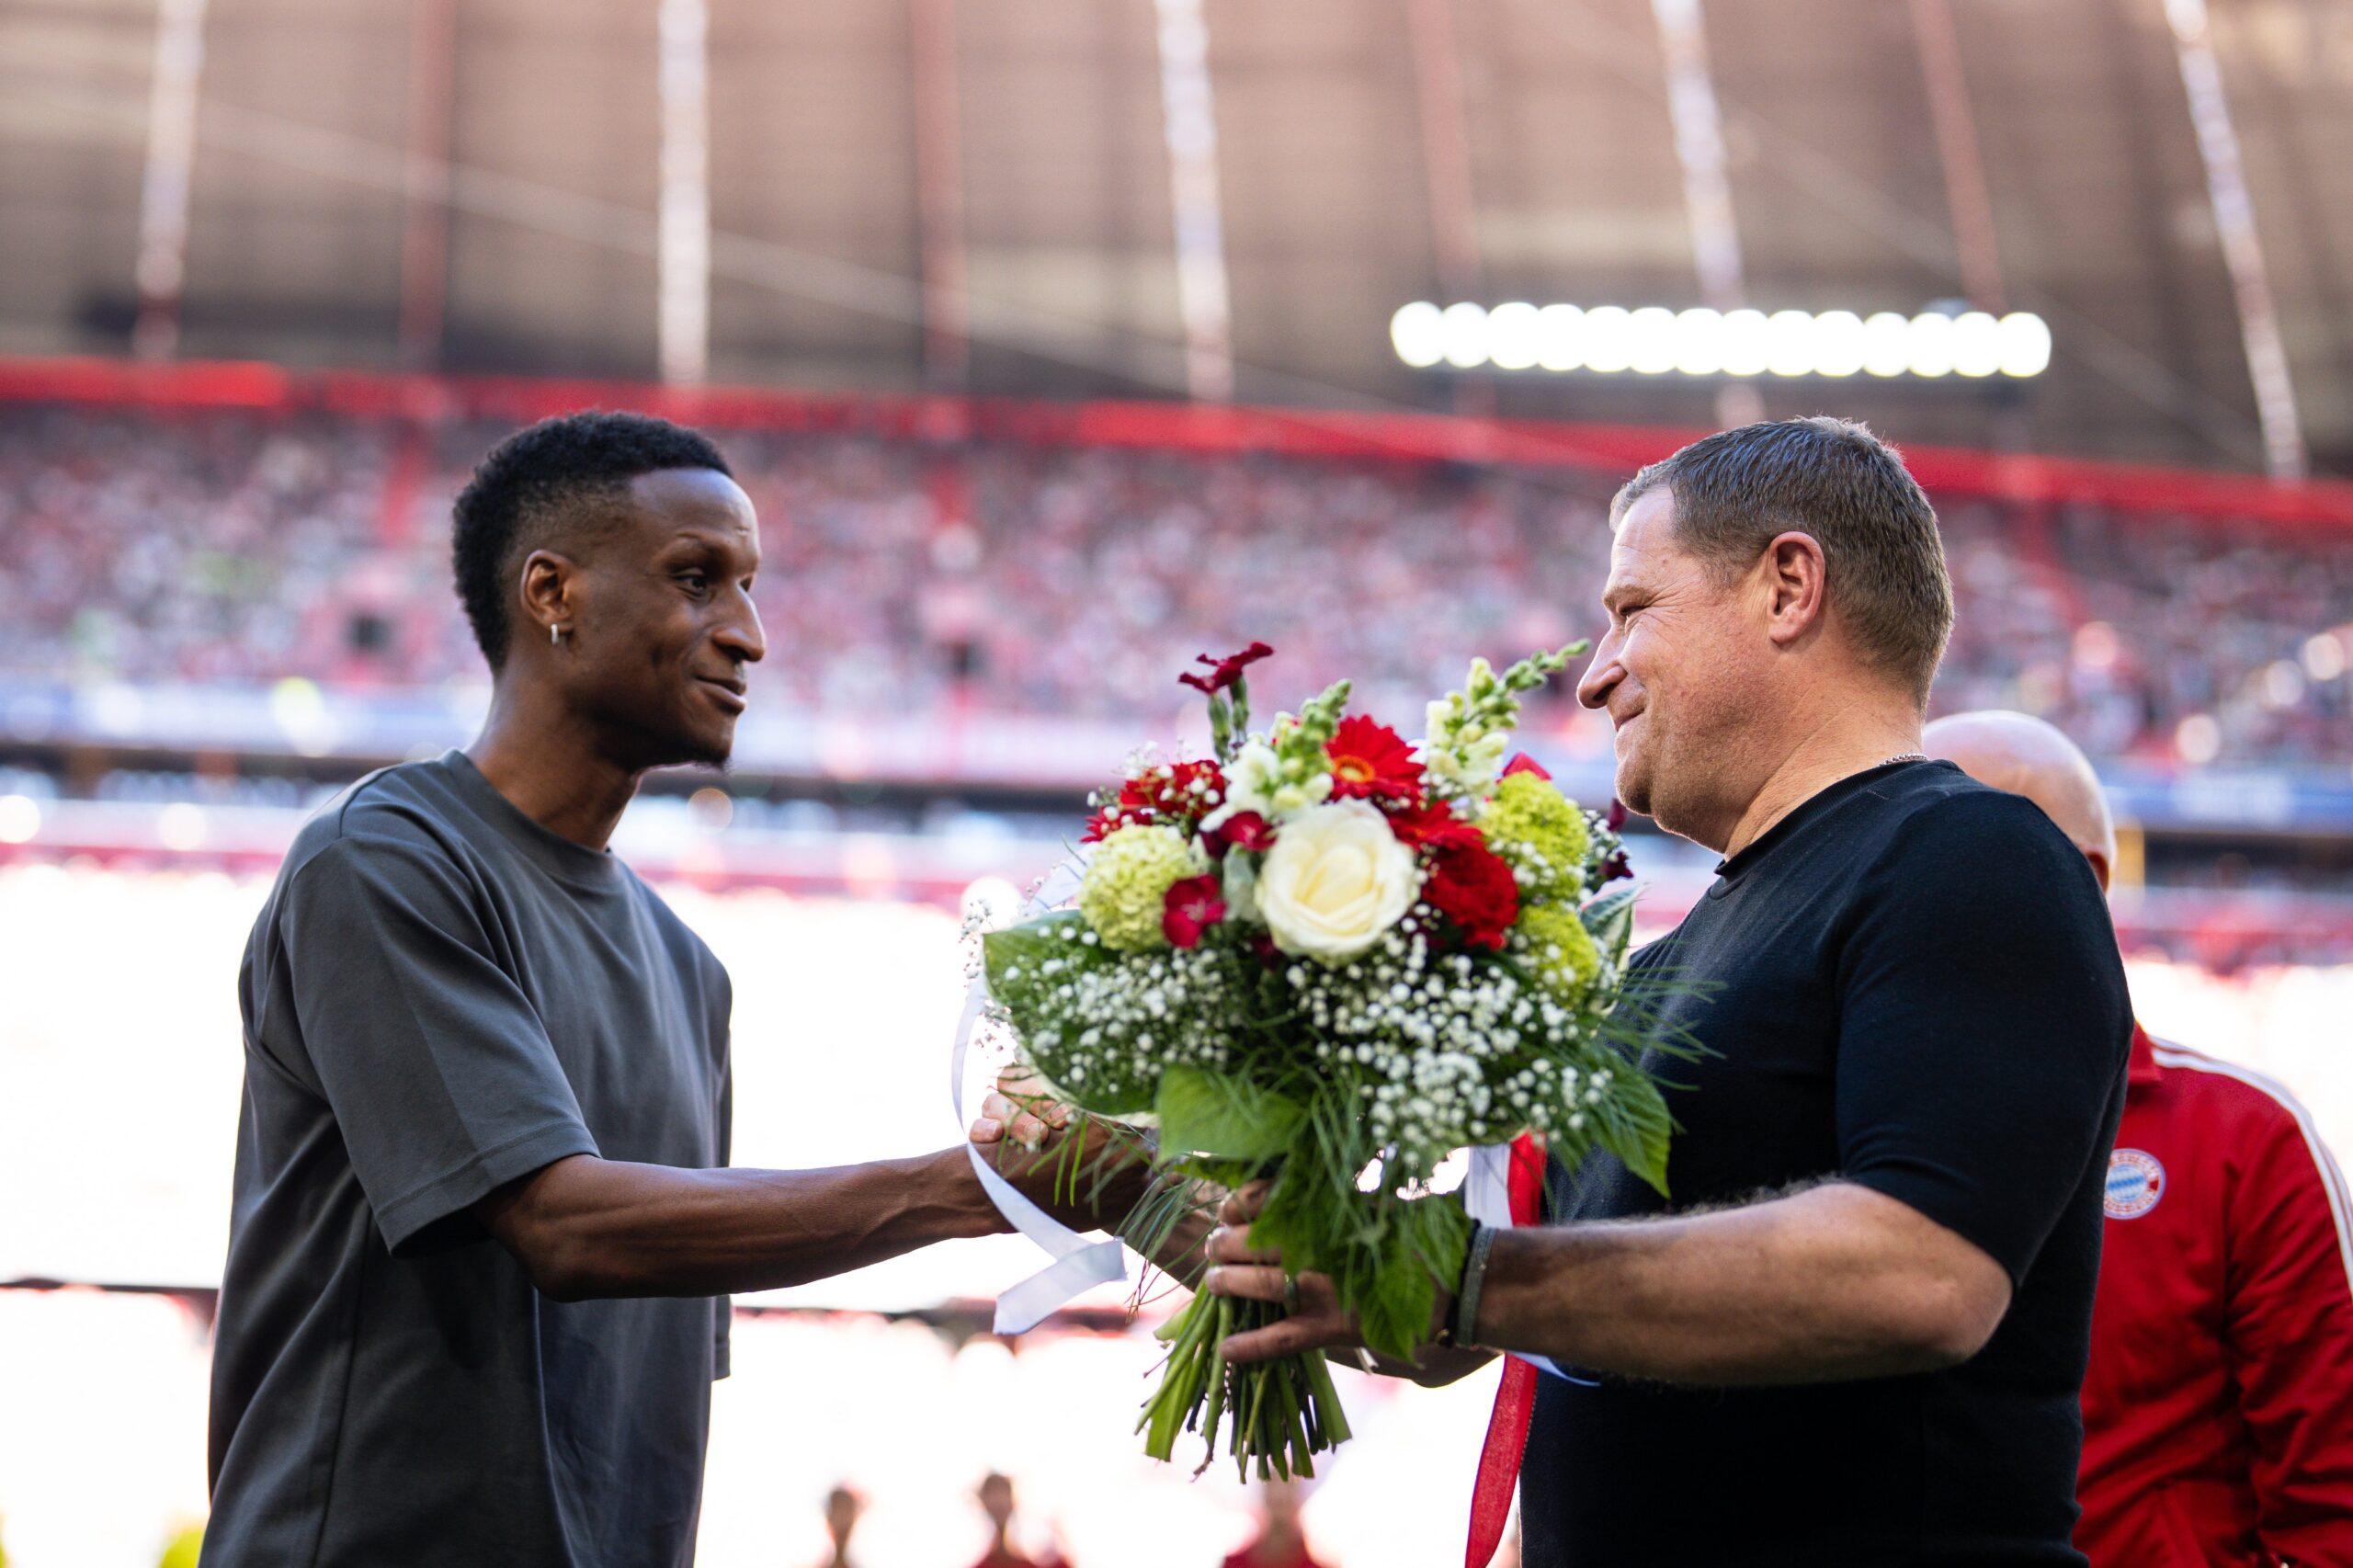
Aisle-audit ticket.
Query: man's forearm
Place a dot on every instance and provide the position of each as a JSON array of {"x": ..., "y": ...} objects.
[
  {"x": 1836, "y": 1282},
  {"x": 588, "y": 1228}
]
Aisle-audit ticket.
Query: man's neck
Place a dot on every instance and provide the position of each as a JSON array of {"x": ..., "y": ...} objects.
[
  {"x": 1852, "y": 740},
  {"x": 544, "y": 763}
]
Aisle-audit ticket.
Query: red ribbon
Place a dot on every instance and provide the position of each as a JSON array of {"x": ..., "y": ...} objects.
[{"x": 1515, "y": 1399}]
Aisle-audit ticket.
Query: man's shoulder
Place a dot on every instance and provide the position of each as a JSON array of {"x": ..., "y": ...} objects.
[
  {"x": 399, "y": 813},
  {"x": 2222, "y": 1100},
  {"x": 1937, "y": 820}
]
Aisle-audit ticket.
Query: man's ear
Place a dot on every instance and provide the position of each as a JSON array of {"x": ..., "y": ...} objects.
[
  {"x": 1796, "y": 586},
  {"x": 549, "y": 592},
  {"x": 2098, "y": 858}
]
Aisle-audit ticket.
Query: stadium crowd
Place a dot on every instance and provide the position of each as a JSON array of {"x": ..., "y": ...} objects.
[{"x": 221, "y": 546}]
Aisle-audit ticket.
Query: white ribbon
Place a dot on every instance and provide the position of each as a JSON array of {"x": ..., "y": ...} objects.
[
  {"x": 1079, "y": 1265},
  {"x": 1486, "y": 1193}
]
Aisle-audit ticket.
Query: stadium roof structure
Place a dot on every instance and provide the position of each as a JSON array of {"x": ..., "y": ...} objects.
[{"x": 1124, "y": 198}]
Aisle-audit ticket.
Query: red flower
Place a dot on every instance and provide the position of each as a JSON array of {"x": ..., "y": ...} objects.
[
  {"x": 1470, "y": 885},
  {"x": 1617, "y": 817},
  {"x": 1523, "y": 763},
  {"x": 1242, "y": 830},
  {"x": 1226, "y": 671},
  {"x": 1418, "y": 823},
  {"x": 1163, "y": 794},
  {"x": 1370, "y": 759},
  {"x": 1191, "y": 907}
]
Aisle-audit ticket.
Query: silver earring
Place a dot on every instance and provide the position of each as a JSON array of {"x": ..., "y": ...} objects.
[{"x": 555, "y": 635}]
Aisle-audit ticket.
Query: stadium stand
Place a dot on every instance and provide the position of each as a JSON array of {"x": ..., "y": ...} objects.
[{"x": 141, "y": 546}]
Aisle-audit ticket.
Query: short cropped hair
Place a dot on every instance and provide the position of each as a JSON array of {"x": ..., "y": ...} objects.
[
  {"x": 530, "y": 490},
  {"x": 1832, "y": 479}
]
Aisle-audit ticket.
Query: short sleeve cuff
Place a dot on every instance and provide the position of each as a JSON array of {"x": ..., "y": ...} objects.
[
  {"x": 403, "y": 1217},
  {"x": 1926, "y": 1193}
]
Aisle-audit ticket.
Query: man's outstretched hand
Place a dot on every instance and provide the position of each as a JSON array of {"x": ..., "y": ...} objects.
[
  {"x": 1022, "y": 1133},
  {"x": 1018, "y": 1109},
  {"x": 1020, "y": 1127}
]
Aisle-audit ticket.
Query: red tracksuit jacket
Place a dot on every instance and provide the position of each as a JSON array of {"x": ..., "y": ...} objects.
[{"x": 2218, "y": 1413}]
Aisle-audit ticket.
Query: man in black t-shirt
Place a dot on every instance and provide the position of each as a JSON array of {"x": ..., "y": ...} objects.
[
  {"x": 480, "y": 1242},
  {"x": 1856, "y": 1334}
]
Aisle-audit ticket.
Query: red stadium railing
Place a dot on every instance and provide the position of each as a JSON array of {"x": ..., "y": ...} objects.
[{"x": 1394, "y": 436}]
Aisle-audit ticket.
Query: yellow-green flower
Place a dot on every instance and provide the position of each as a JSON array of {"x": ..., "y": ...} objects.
[
  {"x": 1125, "y": 890},
  {"x": 1540, "y": 834},
  {"x": 1554, "y": 943}
]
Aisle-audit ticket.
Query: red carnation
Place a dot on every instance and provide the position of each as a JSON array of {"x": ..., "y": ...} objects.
[
  {"x": 1226, "y": 671},
  {"x": 1523, "y": 763},
  {"x": 1470, "y": 885},
  {"x": 1371, "y": 760},
  {"x": 1191, "y": 907},
  {"x": 1164, "y": 794},
  {"x": 1242, "y": 830}
]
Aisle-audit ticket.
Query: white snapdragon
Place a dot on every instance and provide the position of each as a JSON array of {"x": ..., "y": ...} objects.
[
  {"x": 1469, "y": 732},
  {"x": 1463, "y": 755},
  {"x": 1262, "y": 780},
  {"x": 1251, "y": 780}
]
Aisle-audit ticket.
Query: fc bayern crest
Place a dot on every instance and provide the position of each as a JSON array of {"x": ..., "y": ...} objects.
[{"x": 2135, "y": 1182}]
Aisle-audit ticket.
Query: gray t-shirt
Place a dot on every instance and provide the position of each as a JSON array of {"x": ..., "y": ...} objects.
[{"x": 440, "y": 996}]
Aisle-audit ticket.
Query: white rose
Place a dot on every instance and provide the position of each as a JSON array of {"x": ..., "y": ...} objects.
[{"x": 1334, "y": 882}]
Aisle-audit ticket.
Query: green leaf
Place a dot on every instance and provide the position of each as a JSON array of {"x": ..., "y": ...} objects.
[
  {"x": 1395, "y": 1302},
  {"x": 1636, "y": 1127},
  {"x": 1030, "y": 945},
  {"x": 1611, "y": 920},
  {"x": 1230, "y": 1118}
]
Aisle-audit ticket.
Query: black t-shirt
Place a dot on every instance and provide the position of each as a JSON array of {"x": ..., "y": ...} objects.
[
  {"x": 439, "y": 996},
  {"x": 1919, "y": 992}
]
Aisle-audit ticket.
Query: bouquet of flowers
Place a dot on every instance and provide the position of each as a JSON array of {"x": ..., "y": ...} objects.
[{"x": 1330, "y": 957}]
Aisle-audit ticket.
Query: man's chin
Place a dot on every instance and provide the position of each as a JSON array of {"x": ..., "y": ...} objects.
[
  {"x": 711, "y": 752},
  {"x": 1632, "y": 785},
  {"x": 698, "y": 748}
]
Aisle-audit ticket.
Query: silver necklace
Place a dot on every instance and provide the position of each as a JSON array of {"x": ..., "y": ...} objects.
[{"x": 1905, "y": 756}]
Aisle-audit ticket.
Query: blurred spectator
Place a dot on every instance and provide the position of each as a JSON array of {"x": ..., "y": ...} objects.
[
  {"x": 231, "y": 546},
  {"x": 1279, "y": 1543},
  {"x": 996, "y": 1501},
  {"x": 842, "y": 1508}
]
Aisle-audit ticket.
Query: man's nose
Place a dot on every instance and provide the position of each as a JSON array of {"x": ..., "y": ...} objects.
[
  {"x": 1602, "y": 675},
  {"x": 740, "y": 635}
]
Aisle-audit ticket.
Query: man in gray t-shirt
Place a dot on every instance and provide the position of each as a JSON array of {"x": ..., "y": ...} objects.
[{"x": 483, "y": 1233}]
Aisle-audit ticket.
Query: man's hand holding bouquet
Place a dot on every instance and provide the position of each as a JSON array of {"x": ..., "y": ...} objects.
[{"x": 1318, "y": 963}]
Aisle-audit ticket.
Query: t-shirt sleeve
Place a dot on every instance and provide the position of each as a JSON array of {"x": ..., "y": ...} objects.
[
  {"x": 1984, "y": 1025},
  {"x": 441, "y": 1079}
]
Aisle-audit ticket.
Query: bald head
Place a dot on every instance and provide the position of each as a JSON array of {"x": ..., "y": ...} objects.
[{"x": 2027, "y": 756}]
